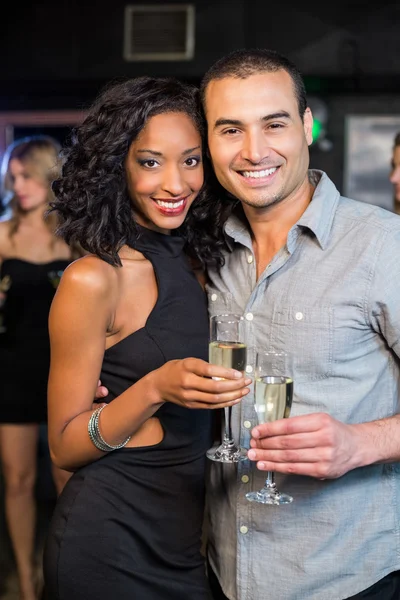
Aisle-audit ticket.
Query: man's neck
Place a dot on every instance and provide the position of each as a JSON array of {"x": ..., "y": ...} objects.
[{"x": 270, "y": 226}]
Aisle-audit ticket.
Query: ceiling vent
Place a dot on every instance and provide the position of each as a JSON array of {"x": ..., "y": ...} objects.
[{"x": 159, "y": 32}]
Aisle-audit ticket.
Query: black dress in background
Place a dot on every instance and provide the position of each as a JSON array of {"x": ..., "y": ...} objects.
[
  {"x": 128, "y": 526},
  {"x": 24, "y": 338}
]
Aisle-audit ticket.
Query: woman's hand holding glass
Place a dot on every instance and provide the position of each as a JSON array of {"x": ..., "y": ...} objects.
[{"x": 197, "y": 384}]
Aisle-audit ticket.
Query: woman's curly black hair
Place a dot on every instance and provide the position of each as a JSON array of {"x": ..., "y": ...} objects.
[{"x": 92, "y": 200}]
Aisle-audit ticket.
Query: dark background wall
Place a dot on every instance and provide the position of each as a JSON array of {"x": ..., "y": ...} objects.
[
  {"x": 69, "y": 47},
  {"x": 57, "y": 55}
]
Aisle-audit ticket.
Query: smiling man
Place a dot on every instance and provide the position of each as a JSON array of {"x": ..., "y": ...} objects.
[{"x": 318, "y": 276}]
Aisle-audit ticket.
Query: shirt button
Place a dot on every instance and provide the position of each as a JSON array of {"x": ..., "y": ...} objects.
[
  {"x": 299, "y": 316},
  {"x": 249, "y": 369},
  {"x": 245, "y": 479},
  {"x": 214, "y": 297},
  {"x": 244, "y": 529},
  {"x": 250, "y": 259},
  {"x": 249, "y": 316},
  {"x": 247, "y": 424}
]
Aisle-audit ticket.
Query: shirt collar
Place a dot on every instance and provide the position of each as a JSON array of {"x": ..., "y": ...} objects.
[
  {"x": 319, "y": 214},
  {"x": 317, "y": 218}
]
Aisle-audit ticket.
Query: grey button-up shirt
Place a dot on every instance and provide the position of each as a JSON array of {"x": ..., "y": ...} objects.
[{"x": 330, "y": 297}]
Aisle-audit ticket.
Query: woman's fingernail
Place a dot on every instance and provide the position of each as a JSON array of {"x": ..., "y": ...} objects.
[
  {"x": 247, "y": 381},
  {"x": 251, "y": 454},
  {"x": 237, "y": 374}
]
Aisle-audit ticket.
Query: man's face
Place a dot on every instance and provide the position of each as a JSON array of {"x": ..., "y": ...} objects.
[
  {"x": 257, "y": 140},
  {"x": 395, "y": 174}
]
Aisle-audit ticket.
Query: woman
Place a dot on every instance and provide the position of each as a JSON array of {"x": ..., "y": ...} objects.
[
  {"x": 128, "y": 523},
  {"x": 32, "y": 260}
]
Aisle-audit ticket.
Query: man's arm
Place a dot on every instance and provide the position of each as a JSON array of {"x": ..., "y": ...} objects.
[{"x": 319, "y": 446}]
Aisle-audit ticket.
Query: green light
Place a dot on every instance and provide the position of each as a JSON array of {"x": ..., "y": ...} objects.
[{"x": 316, "y": 130}]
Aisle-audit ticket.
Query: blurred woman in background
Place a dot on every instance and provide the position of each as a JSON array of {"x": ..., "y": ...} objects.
[{"x": 32, "y": 260}]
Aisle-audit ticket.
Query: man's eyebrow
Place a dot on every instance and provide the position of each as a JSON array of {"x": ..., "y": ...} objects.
[
  {"x": 232, "y": 122},
  {"x": 283, "y": 114}
]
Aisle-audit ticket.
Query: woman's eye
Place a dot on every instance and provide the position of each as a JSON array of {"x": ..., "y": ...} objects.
[
  {"x": 150, "y": 163},
  {"x": 192, "y": 161}
]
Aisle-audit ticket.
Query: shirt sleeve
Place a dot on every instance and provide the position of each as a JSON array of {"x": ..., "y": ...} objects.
[{"x": 383, "y": 300}]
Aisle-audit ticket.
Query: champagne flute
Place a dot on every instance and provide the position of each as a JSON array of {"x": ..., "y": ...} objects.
[
  {"x": 226, "y": 349},
  {"x": 273, "y": 400}
]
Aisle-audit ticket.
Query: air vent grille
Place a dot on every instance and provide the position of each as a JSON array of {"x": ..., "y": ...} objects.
[{"x": 159, "y": 32}]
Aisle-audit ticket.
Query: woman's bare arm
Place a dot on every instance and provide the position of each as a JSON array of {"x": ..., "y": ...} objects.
[
  {"x": 79, "y": 318},
  {"x": 81, "y": 313}
]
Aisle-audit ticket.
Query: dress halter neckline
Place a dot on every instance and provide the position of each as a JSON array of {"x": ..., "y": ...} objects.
[{"x": 148, "y": 240}]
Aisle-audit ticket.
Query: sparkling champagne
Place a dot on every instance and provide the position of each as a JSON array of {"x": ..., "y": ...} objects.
[
  {"x": 231, "y": 355},
  {"x": 273, "y": 398}
]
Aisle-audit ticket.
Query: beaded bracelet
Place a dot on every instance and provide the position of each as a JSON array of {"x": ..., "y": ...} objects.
[{"x": 95, "y": 435}]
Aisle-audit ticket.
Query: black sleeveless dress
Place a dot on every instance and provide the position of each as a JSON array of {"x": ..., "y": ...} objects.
[
  {"x": 128, "y": 526},
  {"x": 24, "y": 338}
]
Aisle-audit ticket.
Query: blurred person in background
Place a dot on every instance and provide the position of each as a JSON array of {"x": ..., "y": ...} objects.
[
  {"x": 32, "y": 260},
  {"x": 395, "y": 173}
]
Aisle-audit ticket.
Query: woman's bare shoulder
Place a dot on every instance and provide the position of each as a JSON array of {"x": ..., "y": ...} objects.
[{"x": 90, "y": 274}]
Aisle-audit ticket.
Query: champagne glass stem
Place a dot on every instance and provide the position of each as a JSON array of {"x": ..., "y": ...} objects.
[
  {"x": 270, "y": 481},
  {"x": 228, "y": 425}
]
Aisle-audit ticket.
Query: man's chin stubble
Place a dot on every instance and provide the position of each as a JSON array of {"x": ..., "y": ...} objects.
[{"x": 264, "y": 202}]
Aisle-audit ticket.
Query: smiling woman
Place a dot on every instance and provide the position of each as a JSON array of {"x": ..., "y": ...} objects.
[
  {"x": 129, "y": 522},
  {"x": 165, "y": 171}
]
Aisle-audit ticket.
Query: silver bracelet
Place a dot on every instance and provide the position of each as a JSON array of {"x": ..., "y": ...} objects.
[{"x": 95, "y": 435}]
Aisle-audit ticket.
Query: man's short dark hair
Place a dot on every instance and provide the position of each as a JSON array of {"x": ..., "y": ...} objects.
[
  {"x": 397, "y": 140},
  {"x": 244, "y": 63}
]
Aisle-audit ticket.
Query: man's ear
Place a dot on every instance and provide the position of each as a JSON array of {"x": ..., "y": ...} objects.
[{"x": 308, "y": 125}]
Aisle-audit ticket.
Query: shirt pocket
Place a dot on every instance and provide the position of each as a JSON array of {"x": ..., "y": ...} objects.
[
  {"x": 219, "y": 303},
  {"x": 307, "y": 334}
]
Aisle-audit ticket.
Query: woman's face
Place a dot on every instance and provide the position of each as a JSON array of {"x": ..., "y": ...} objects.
[
  {"x": 164, "y": 171},
  {"x": 30, "y": 192}
]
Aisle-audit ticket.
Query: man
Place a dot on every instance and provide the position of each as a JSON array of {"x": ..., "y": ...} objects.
[
  {"x": 316, "y": 275},
  {"x": 395, "y": 173}
]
